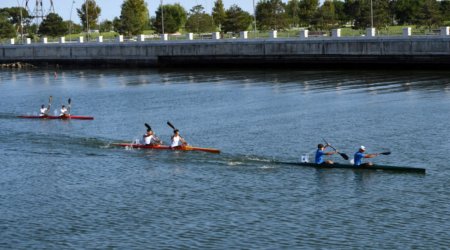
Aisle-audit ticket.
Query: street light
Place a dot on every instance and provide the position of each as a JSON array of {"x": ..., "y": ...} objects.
[
  {"x": 371, "y": 14},
  {"x": 21, "y": 20},
  {"x": 254, "y": 18},
  {"x": 70, "y": 25},
  {"x": 162, "y": 16}
]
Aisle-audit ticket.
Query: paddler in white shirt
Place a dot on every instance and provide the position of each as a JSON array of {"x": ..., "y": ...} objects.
[
  {"x": 177, "y": 140},
  {"x": 44, "y": 110},
  {"x": 150, "y": 138},
  {"x": 64, "y": 111}
]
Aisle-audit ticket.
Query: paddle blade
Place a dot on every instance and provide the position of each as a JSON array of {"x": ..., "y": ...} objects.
[
  {"x": 170, "y": 125},
  {"x": 385, "y": 153},
  {"x": 69, "y": 101},
  {"x": 345, "y": 156},
  {"x": 148, "y": 126}
]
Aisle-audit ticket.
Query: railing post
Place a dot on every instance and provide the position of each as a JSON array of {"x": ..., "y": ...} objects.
[
  {"x": 165, "y": 37},
  {"x": 81, "y": 39},
  {"x": 141, "y": 38},
  {"x": 120, "y": 39},
  {"x": 44, "y": 40},
  {"x": 336, "y": 33},
  {"x": 62, "y": 40},
  {"x": 407, "y": 31},
  {"x": 215, "y": 35},
  {"x": 445, "y": 31},
  {"x": 190, "y": 36},
  {"x": 28, "y": 41},
  {"x": 243, "y": 35},
  {"x": 304, "y": 34},
  {"x": 370, "y": 32},
  {"x": 100, "y": 39},
  {"x": 273, "y": 34},
  {"x": 12, "y": 41}
]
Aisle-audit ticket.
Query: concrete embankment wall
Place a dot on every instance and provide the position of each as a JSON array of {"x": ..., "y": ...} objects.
[{"x": 430, "y": 52}]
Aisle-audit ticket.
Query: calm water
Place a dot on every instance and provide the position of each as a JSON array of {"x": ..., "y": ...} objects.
[{"x": 62, "y": 186}]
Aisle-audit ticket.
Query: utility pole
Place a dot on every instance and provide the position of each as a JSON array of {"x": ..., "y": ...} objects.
[{"x": 21, "y": 21}]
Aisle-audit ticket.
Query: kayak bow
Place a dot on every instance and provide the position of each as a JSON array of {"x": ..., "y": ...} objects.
[
  {"x": 164, "y": 147},
  {"x": 51, "y": 117}
]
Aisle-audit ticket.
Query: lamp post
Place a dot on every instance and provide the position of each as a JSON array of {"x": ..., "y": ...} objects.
[
  {"x": 87, "y": 19},
  {"x": 371, "y": 14},
  {"x": 70, "y": 25},
  {"x": 21, "y": 21},
  {"x": 254, "y": 18},
  {"x": 162, "y": 16}
]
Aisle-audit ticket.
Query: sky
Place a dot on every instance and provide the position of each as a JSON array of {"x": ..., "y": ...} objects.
[{"x": 111, "y": 8}]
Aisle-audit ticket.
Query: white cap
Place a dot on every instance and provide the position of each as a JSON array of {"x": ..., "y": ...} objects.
[{"x": 362, "y": 148}]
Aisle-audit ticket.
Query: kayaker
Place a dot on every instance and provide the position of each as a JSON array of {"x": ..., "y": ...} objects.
[
  {"x": 177, "y": 140},
  {"x": 150, "y": 138},
  {"x": 320, "y": 154},
  {"x": 44, "y": 110},
  {"x": 360, "y": 155},
  {"x": 64, "y": 111}
]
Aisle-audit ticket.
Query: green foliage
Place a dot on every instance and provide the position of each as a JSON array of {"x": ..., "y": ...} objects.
[
  {"x": 218, "y": 13},
  {"x": 237, "y": 20},
  {"x": 6, "y": 28},
  {"x": 106, "y": 26},
  {"x": 52, "y": 26},
  {"x": 293, "y": 12},
  {"x": 133, "y": 18},
  {"x": 308, "y": 9},
  {"x": 73, "y": 28},
  {"x": 271, "y": 15},
  {"x": 445, "y": 9},
  {"x": 429, "y": 14},
  {"x": 326, "y": 17},
  {"x": 174, "y": 18},
  {"x": 406, "y": 11},
  {"x": 360, "y": 11},
  {"x": 93, "y": 12},
  {"x": 198, "y": 21}
]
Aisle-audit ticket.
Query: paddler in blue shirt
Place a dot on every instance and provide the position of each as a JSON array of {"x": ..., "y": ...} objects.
[
  {"x": 320, "y": 154},
  {"x": 360, "y": 155}
]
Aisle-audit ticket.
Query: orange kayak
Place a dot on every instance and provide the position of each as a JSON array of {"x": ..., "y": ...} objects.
[{"x": 165, "y": 147}]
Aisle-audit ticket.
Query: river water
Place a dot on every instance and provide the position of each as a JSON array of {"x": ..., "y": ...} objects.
[{"x": 63, "y": 186}]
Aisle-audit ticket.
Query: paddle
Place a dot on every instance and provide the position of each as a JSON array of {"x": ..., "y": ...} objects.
[
  {"x": 148, "y": 126},
  {"x": 171, "y": 125},
  {"x": 50, "y": 98},
  {"x": 385, "y": 153},
  {"x": 345, "y": 156},
  {"x": 68, "y": 106}
]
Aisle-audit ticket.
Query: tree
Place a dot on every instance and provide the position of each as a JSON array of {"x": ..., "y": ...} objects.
[
  {"x": 73, "y": 28},
  {"x": 218, "y": 13},
  {"x": 133, "y": 17},
  {"x": 174, "y": 18},
  {"x": 308, "y": 9},
  {"x": 406, "y": 11},
  {"x": 271, "y": 15},
  {"x": 53, "y": 26},
  {"x": 360, "y": 11},
  {"x": 326, "y": 16},
  {"x": 339, "y": 11},
  {"x": 106, "y": 26},
  {"x": 6, "y": 28},
  {"x": 93, "y": 12},
  {"x": 237, "y": 20},
  {"x": 445, "y": 10},
  {"x": 198, "y": 21},
  {"x": 429, "y": 14},
  {"x": 293, "y": 11}
]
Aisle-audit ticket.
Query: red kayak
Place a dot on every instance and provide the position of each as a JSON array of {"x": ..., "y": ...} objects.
[
  {"x": 164, "y": 147},
  {"x": 51, "y": 117}
]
